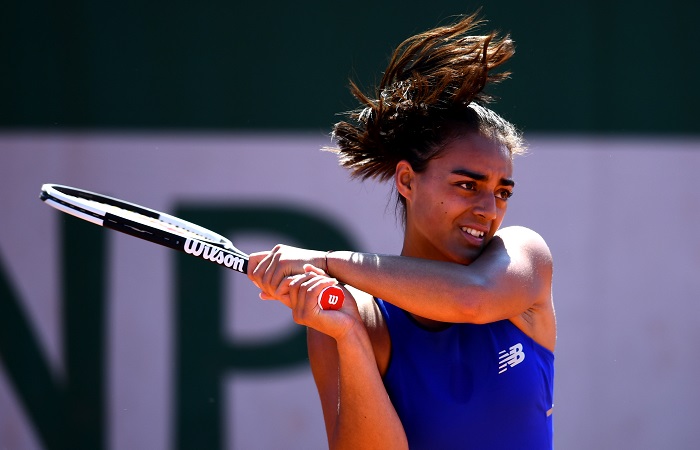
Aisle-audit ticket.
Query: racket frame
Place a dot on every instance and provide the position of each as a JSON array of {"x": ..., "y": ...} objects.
[
  {"x": 205, "y": 243},
  {"x": 209, "y": 245}
]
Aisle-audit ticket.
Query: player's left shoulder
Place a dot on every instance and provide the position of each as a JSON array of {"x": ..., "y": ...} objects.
[
  {"x": 530, "y": 255},
  {"x": 526, "y": 241}
]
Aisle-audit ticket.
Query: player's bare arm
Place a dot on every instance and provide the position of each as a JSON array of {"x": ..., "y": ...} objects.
[
  {"x": 356, "y": 408},
  {"x": 511, "y": 279}
]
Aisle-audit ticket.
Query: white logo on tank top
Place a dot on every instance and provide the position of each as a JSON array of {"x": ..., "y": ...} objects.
[{"x": 511, "y": 358}]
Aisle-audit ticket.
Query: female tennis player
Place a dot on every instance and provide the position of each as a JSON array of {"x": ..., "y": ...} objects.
[{"x": 449, "y": 344}]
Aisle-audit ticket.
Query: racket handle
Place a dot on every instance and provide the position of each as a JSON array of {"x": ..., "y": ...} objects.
[{"x": 331, "y": 298}]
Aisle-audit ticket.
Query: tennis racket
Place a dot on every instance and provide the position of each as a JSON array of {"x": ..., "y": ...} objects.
[{"x": 159, "y": 228}]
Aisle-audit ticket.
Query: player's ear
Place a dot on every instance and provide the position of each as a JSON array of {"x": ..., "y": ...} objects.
[{"x": 404, "y": 178}]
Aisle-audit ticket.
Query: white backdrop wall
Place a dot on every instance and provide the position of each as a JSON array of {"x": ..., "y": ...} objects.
[{"x": 620, "y": 215}]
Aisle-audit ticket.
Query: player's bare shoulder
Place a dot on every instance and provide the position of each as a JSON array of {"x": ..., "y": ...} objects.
[
  {"x": 535, "y": 259},
  {"x": 523, "y": 240},
  {"x": 530, "y": 256},
  {"x": 376, "y": 326}
]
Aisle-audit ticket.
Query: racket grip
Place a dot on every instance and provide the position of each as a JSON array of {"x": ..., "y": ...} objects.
[{"x": 331, "y": 298}]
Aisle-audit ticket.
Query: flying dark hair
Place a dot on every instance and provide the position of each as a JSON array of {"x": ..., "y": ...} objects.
[{"x": 431, "y": 91}]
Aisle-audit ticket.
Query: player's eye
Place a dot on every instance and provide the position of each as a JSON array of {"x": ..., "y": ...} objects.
[
  {"x": 468, "y": 185},
  {"x": 504, "y": 194}
]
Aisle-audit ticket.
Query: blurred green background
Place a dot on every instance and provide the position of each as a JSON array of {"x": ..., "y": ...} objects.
[{"x": 580, "y": 67}]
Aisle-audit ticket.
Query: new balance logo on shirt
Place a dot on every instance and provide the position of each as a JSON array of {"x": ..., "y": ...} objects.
[{"x": 511, "y": 358}]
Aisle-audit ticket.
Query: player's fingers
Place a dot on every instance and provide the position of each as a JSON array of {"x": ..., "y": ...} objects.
[
  {"x": 282, "y": 293},
  {"x": 304, "y": 293},
  {"x": 271, "y": 279},
  {"x": 284, "y": 287},
  {"x": 313, "y": 269},
  {"x": 263, "y": 271},
  {"x": 284, "y": 264},
  {"x": 257, "y": 264},
  {"x": 284, "y": 299},
  {"x": 286, "y": 261}
]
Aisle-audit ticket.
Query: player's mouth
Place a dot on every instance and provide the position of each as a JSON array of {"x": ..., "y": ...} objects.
[{"x": 476, "y": 233}]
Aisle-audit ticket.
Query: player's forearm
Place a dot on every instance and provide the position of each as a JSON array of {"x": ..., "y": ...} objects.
[
  {"x": 455, "y": 292},
  {"x": 366, "y": 417}
]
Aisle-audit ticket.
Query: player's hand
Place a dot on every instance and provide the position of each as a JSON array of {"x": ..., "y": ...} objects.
[
  {"x": 268, "y": 269},
  {"x": 301, "y": 292}
]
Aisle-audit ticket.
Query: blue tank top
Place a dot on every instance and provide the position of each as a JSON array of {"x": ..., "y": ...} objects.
[{"x": 469, "y": 386}]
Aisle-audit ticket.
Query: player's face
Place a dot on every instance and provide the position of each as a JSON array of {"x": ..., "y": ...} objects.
[{"x": 455, "y": 206}]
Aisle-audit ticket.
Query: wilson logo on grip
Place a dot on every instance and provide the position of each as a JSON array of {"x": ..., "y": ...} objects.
[{"x": 214, "y": 254}]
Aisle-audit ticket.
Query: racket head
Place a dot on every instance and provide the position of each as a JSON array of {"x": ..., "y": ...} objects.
[{"x": 145, "y": 223}]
